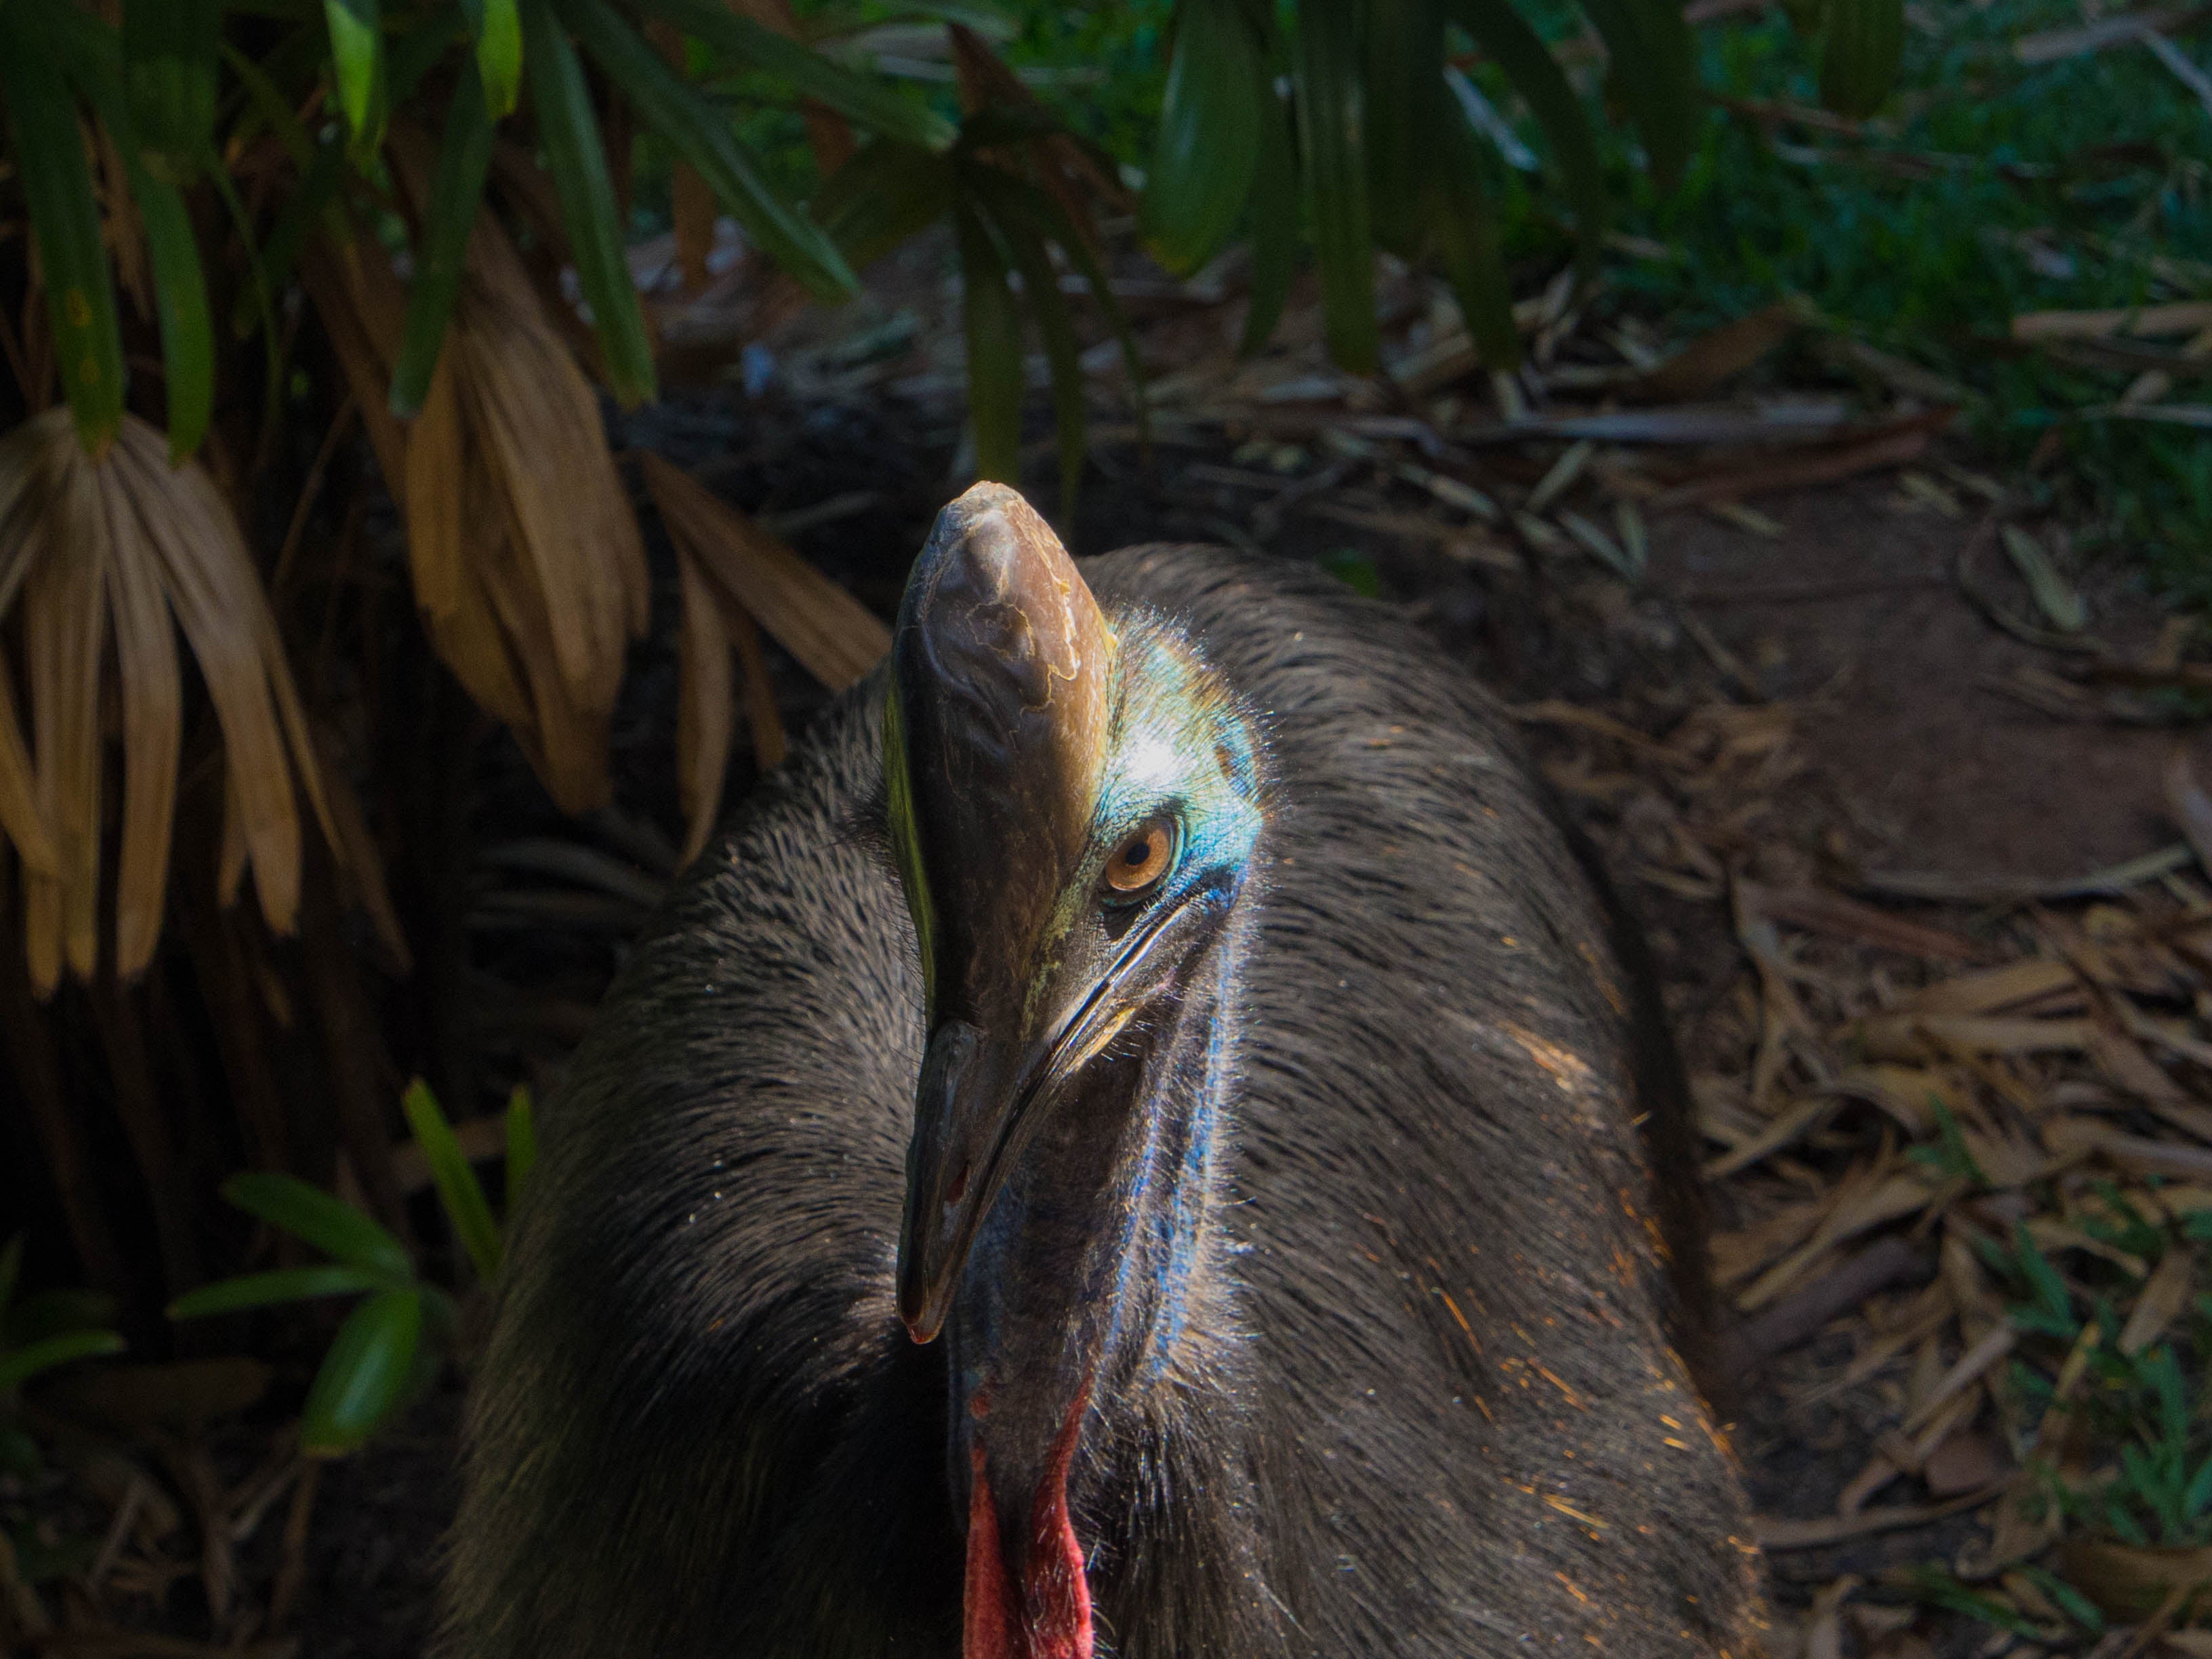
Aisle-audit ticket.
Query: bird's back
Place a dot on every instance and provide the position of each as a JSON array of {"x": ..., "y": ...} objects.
[{"x": 1439, "y": 1413}]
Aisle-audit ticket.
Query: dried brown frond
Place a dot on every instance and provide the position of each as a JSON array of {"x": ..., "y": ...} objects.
[
  {"x": 834, "y": 637},
  {"x": 120, "y": 553},
  {"x": 706, "y": 708},
  {"x": 524, "y": 552}
]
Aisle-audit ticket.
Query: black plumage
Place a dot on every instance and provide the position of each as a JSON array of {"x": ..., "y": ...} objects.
[{"x": 1425, "y": 1400}]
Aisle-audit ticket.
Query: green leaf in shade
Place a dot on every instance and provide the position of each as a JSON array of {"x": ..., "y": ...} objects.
[
  {"x": 20, "y": 1366},
  {"x": 283, "y": 1285},
  {"x": 867, "y": 101},
  {"x": 462, "y": 1194},
  {"x": 358, "y": 55},
  {"x": 1466, "y": 241},
  {"x": 1022, "y": 231},
  {"x": 57, "y": 1312},
  {"x": 1403, "y": 92},
  {"x": 887, "y": 192},
  {"x": 1655, "y": 75},
  {"x": 364, "y": 1377},
  {"x": 92, "y": 58},
  {"x": 1355, "y": 570},
  {"x": 169, "y": 48},
  {"x": 291, "y": 1205},
  {"x": 1275, "y": 223},
  {"x": 1046, "y": 209},
  {"x": 994, "y": 328},
  {"x": 521, "y": 1145},
  {"x": 577, "y": 159},
  {"x": 1506, "y": 38},
  {"x": 498, "y": 29},
  {"x": 441, "y": 255},
  {"x": 1207, "y": 146},
  {"x": 48, "y": 154},
  {"x": 180, "y": 297},
  {"x": 1332, "y": 125},
  {"x": 702, "y": 133},
  {"x": 1862, "y": 41}
]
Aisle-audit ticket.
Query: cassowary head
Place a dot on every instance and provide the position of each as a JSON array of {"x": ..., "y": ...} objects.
[{"x": 1074, "y": 803}]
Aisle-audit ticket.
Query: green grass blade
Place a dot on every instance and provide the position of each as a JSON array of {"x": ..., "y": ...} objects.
[
  {"x": 578, "y": 161},
  {"x": 861, "y": 99},
  {"x": 1862, "y": 43},
  {"x": 1655, "y": 74},
  {"x": 521, "y": 1145},
  {"x": 169, "y": 51},
  {"x": 180, "y": 297},
  {"x": 498, "y": 28},
  {"x": 283, "y": 1285},
  {"x": 49, "y": 153},
  {"x": 19, "y": 1367},
  {"x": 1332, "y": 123},
  {"x": 358, "y": 57},
  {"x": 1023, "y": 233},
  {"x": 994, "y": 328},
  {"x": 291, "y": 1205},
  {"x": 1503, "y": 34},
  {"x": 703, "y": 134},
  {"x": 365, "y": 1375},
  {"x": 886, "y": 193},
  {"x": 458, "y": 1189},
  {"x": 1207, "y": 146},
  {"x": 1275, "y": 223},
  {"x": 456, "y": 187}
]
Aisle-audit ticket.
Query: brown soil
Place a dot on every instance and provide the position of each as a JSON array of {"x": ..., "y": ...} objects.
[{"x": 1941, "y": 771}]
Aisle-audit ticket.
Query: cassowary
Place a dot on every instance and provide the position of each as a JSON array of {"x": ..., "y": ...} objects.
[{"x": 1147, "y": 1139}]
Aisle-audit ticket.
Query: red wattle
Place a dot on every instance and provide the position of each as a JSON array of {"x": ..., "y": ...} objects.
[{"x": 1047, "y": 1615}]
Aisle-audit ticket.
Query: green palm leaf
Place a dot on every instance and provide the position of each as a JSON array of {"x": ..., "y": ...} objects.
[
  {"x": 49, "y": 150},
  {"x": 1207, "y": 147},
  {"x": 456, "y": 187},
  {"x": 702, "y": 135},
  {"x": 1332, "y": 126},
  {"x": 1503, "y": 34},
  {"x": 869, "y": 102},
  {"x": 578, "y": 161},
  {"x": 994, "y": 328}
]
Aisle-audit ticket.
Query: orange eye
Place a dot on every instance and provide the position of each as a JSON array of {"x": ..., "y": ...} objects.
[{"x": 1142, "y": 859}]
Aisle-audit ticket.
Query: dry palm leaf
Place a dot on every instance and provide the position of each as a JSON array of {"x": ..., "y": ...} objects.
[
  {"x": 127, "y": 549},
  {"x": 738, "y": 579},
  {"x": 524, "y": 552},
  {"x": 834, "y": 637}
]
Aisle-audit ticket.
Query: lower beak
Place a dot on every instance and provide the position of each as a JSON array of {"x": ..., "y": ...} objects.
[{"x": 964, "y": 1108}]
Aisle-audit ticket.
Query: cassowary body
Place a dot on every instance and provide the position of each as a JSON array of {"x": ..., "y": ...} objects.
[{"x": 1299, "y": 1279}]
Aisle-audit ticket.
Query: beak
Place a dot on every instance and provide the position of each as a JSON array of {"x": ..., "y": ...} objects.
[
  {"x": 979, "y": 1103},
  {"x": 961, "y": 1123}
]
